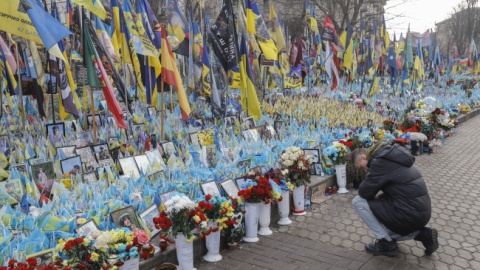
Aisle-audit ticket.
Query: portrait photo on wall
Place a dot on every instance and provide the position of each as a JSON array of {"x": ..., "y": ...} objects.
[
  {"x": 230, "y": 121},
  {"x": 43, "y": 175},
  {"x": 72, "y": 166},
  {"x": 314, "y": 155},
  {"x": 125, "y": 217},
  {"x": 147, "y": 218},
  {"x": 14, "y": 189},
  {"x": 194, "y": 140}
]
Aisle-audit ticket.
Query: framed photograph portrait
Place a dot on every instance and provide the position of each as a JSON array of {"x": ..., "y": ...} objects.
[
  {"x": 314, "y": 155},
  {"x": 71, "y": 165},
  {"x": 139, "y": 127},
  {"x": 101, "y": 152},
  {"x": 147, "y": 218},
  {"x": 66, "y": 151},
  {"x": 89, "y": 177},
  {"x": 87, "y": 157},
  {"x": 244, "y": 164},
  {"x": 194, "y": 140},
  {"x": 248, "y": 123},
  {"x": 5, "y": 145},
  {"x": 54, "y": 129},
  {"x": 269, "y": 133},
  {"x": 210, "y": 187},
  {"x": 156, "y": 159},
  {"x": 230, "y": 188},
  {"x": 318, "y": 169},
  {"x": 230, "y": 121},
  {"x": 87, "y": 228},
  {"x": 34, "y": 161},
  {"x": 43, "y": 175},
  {"x": 169, "y": 149},
  {"x": 129, "y": 167},
  {"x": 43, "y": 258},
  {"x": 152, "y": 111},
  {"x": 13, "y": 188},
  {"x": 98, "y": 120},
  {"x": 125, "y": 217},
  {"x": 312, "y": 169},
  {"x": 210, "y": 156},
  {"x": 20, "y": 167},
  {"x": 143, "y": 163}
]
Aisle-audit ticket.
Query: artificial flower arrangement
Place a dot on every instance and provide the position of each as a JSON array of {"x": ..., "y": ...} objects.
[
  {"x": 258, "y": 188},
  {"x": 80, "y": 253},
  {"x": 179, "y": 215},
  {"x": 293, "y": 159},
  {"x": 337, "y": 153},
  {"x": 206, "y": 137},
  {"x": 218, "y": 209}
]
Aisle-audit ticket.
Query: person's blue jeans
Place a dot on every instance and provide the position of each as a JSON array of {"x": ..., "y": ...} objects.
[{"x": 365, "y": 213}]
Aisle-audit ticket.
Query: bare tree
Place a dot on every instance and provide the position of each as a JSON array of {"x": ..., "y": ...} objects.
[{"x": 460, "y": 27}]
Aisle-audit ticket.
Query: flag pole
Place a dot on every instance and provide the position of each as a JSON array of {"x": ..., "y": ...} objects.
[
  {"x": 94, "y": 123},
  {"x": 22, "y": 109},
  {"x": 162, "y": 109}
]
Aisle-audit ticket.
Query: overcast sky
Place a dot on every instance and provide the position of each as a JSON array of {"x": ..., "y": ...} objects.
[{"x": 421, "y": 14}]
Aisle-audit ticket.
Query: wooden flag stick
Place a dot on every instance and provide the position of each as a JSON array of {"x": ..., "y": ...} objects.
[{"x": 162, "y": 111}]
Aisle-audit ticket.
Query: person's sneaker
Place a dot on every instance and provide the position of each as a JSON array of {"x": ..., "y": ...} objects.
[
  {"x": 383, "y": 247},
  {"x": 429, "y": 239}
]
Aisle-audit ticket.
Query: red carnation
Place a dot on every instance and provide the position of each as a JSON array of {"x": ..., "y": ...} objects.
[
  {"x": 68, "y": 245},
  {"x": 12, "y": 263},
  {"x": 32, "y": 262},
  {"x": 208, "y": 197},
  {"x": 79, "y": 240}
]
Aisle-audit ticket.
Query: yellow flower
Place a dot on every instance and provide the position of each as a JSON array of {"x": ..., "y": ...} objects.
[
  {"x": 239, "y": 199},
  {"x": 86, "y": 242},
  {"x": 189, "y": 240},
  {"x": 81, "y": 220},
  {"x": 196, "y": 218},
  {"x": 94, "y": 257}
]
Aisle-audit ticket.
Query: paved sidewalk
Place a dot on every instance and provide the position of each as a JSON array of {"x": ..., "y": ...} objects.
[{"x": 331, "y": 236}]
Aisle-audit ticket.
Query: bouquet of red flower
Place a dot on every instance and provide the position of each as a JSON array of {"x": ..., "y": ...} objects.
[
  {"x": 81, "y": 254},
  {"x": 218, "y": 209},
  {"x": 180, "y": 215},
  {"x": 257, "y": 188}
]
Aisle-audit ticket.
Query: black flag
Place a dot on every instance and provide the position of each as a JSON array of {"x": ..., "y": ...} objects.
[{"x": 223, "y": 37}]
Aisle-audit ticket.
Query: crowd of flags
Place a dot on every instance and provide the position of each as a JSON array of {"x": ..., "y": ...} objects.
[{"x": 125, "y": 46}]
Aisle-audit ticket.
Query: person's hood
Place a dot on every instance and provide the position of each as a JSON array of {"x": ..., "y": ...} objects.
[{"x": 397, "y": 154}]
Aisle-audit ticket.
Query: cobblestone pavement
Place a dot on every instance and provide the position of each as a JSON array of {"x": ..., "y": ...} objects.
[{"x": 331, "y": 236}]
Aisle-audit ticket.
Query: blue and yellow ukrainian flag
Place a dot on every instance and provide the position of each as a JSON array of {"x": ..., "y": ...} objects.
[
  {"x": 248, "y": 95},
  {"x": 254, "y": 18}
]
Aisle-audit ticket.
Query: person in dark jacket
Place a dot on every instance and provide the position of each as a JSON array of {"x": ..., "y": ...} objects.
[{"x": 403, "y": 209}]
